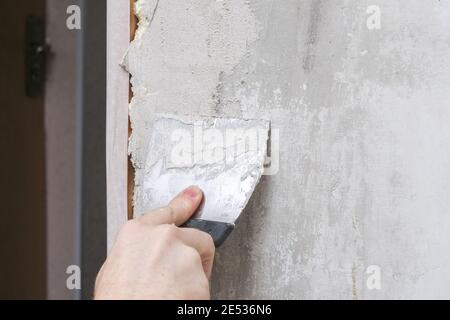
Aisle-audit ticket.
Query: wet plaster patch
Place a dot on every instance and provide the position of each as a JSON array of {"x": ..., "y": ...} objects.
[{"x": 224, "y": 157}]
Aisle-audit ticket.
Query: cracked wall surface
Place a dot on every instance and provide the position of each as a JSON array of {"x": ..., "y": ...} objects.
[{"x": 363, "y": 114}]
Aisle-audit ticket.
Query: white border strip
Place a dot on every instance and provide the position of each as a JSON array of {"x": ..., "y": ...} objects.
[{"x": 118, "y": 39}]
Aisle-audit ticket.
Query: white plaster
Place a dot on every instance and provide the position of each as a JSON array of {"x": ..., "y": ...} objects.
[{"x": 227, "y": 181}]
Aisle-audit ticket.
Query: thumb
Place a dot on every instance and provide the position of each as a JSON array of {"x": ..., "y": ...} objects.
[
  {"x": 179, "y": 210},
  {"x": 185, "y": 204}
]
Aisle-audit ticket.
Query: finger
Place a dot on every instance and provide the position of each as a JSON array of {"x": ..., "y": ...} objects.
[
  {"x": 185, "y": 205},
  {"x": 178, "y": 211},
  {"x": 203, "y": 243}
]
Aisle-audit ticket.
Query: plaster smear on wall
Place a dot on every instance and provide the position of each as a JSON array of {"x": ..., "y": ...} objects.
[
  {"x": 224, "y": 157},
  {"x": 188, "y": 46},
  {"x": 363, "y": 114}
]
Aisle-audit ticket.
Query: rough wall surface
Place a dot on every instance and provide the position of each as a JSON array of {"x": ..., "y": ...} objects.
[{"x": 364, "y": 118}]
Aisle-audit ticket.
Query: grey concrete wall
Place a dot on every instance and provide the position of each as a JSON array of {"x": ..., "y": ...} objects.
[{"x": 364, "y": 119}]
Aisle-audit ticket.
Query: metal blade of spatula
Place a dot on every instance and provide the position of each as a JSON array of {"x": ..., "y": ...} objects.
[{"x": 224, "y": 157}]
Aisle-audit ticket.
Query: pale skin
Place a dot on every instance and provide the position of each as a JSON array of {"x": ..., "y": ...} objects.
[{"x": 155, "y": 259}]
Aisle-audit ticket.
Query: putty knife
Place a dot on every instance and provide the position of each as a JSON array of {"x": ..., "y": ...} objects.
[{"x": 224, "y": 157}]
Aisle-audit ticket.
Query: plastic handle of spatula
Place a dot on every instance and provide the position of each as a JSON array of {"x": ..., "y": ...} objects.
[{"x": 219, "y": 231}]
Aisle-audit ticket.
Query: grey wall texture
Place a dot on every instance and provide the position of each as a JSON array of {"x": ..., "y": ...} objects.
[{"x": 360, "y": 93}]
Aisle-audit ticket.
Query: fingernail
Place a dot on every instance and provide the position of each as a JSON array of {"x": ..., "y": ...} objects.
[{"x": 192, "y": 192}]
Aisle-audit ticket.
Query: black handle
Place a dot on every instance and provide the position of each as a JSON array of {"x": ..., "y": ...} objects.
[{"x": 219, "y": 231}]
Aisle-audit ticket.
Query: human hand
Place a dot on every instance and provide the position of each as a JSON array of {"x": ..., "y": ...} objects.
[{"x": 155, "y": 259}]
